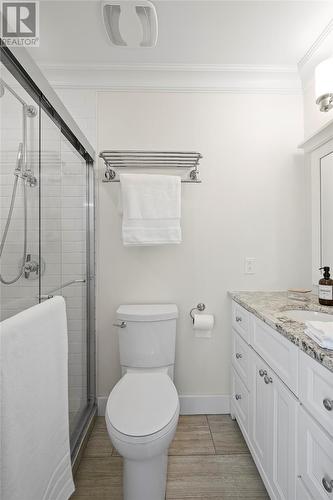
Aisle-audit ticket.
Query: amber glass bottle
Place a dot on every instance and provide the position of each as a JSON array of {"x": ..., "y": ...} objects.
[{"x": 325, "y": 292}]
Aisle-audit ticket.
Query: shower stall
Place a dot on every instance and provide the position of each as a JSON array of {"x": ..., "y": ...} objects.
[{"x": 47, "y": 225}]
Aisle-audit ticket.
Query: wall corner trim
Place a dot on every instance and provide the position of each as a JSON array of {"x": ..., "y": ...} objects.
[{"x": 319, "y": 50}]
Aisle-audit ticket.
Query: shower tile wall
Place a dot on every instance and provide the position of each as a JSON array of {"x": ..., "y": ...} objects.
[{"x": 23, "y": 293}]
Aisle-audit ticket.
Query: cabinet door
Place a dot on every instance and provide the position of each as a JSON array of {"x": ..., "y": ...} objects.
[
  {"x": 284, "y": 418},
  {"x": 273, "y": 429},
  {"x": 315, "y": 457},
  {"x": 261, "y": 413}
]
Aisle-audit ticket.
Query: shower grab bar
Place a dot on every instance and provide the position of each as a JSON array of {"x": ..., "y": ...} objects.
[{"x": 49, "y": 295}]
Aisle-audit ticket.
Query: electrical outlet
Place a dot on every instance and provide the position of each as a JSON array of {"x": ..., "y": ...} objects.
[{"x": 250, "y": 265}]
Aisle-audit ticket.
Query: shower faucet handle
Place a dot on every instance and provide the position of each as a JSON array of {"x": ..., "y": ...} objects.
[{"x": 30, "y": 266}]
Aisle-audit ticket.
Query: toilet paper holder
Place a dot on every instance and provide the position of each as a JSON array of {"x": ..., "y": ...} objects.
[{"x": 200, "y": 307}]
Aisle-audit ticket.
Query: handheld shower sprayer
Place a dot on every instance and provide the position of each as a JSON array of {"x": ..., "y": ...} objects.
[{"x": 23, "y": 173}]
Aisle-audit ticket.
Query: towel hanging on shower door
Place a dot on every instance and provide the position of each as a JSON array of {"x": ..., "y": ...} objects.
[{"x": 35, "y": 454}]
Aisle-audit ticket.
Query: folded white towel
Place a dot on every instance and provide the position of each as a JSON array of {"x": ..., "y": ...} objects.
[
  {"x": 324, "y": 329},
  {"x": 151, "y": 209},
  {"x": 35, "y": 452},
  {"x": 320, "y": 340}
]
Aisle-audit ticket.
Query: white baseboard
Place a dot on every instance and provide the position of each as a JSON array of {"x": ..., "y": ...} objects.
[
  {"x": 202, "y": 404},
  {"x": 189, "y": 404}
]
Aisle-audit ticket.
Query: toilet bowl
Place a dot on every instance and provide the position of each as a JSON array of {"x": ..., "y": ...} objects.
[{"x": 141, "y": 417}]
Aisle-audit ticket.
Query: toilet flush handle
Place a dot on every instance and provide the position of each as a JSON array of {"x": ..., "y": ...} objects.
[{"x": 120, "y": 325}]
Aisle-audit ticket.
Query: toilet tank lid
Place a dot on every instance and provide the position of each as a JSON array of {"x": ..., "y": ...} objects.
[{"x": 147, "y": 312}]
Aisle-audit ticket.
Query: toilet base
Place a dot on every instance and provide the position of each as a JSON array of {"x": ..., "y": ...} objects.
[{"x": 145, "y": 479}]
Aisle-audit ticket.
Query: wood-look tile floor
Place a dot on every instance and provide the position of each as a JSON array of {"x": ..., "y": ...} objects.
[{"x": 208, "y": 460}]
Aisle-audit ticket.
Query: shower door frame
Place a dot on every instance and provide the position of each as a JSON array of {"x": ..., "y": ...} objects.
[{"x": 30, "y": 86}]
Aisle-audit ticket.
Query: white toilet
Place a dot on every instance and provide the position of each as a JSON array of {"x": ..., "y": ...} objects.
[{"x": 143, "y": 408}]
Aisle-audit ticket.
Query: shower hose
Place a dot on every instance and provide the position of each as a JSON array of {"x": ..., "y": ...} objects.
[{"x": 5, "y": 233}]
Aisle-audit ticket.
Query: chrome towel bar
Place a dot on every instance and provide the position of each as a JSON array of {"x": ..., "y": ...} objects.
[{"x": 150, "y": 159}]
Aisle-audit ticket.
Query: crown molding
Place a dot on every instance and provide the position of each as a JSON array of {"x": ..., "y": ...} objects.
[
  {"x": 321, "y": 48},
  {"x": 176, "y": 77},
  {"x": 236, "y": 68}
]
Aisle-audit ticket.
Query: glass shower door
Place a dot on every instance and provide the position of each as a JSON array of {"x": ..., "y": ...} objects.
[
  {"x": 48, "y": 226},
  {"x": 64, "y": 216}
]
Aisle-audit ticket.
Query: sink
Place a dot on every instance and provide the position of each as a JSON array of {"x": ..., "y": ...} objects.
[{"x": 300, "y": 315}]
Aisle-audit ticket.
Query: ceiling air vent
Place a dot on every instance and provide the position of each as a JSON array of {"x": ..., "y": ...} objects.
[{"x": 130, "y": 23}]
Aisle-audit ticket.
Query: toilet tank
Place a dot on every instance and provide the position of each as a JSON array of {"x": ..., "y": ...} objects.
[{"x": 148, "y": 337}]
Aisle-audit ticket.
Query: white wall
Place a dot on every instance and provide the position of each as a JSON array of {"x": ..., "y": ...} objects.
[
  {"x": 252, "y": 202},
  {"x": 81, "y": 103}
]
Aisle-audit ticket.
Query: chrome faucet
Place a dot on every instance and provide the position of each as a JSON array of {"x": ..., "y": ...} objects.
[{"x": 30, "y": 266}]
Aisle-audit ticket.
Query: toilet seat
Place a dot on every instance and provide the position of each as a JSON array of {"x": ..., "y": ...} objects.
[{"x": 143, "y": 405}]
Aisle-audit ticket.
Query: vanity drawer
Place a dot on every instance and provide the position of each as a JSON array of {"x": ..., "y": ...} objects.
[
  {"x": 241, "y": 357},
  {"x": 316, "y": 391},
  {"x": 240, "y": 396},
  {"x": 315, "y": 457},
  {"x": 279, "y": 353},
  {"x": 241, "y": 320}
]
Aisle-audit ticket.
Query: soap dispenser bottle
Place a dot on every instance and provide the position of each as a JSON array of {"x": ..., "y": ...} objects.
[{"x": 325, "y": 292}]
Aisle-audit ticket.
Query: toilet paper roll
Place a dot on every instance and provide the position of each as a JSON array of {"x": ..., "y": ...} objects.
[{"x": 203, "y": 325}]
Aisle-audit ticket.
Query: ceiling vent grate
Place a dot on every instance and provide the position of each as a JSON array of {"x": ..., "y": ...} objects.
[{"x": 130, "y": 23}]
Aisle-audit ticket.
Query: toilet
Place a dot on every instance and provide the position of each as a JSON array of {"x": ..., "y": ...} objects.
[{"x": 143, "y": 408}]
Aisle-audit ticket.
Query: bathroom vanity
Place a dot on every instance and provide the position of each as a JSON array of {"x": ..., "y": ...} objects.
[{"x": 282, "y": 394}]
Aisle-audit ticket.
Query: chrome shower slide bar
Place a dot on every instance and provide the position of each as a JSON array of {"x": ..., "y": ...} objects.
[
  {"x": 49, "y": 295},
  {"x": 150, "y": 159}
]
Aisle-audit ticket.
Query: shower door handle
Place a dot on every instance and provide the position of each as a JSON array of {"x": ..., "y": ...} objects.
[{"x": 49, "y": 295}]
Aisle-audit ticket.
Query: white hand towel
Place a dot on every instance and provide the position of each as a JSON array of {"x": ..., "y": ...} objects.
[
  {"x": 324, "y": 329},
  {"x": 151, "y": 209},
  {"x": 35, "y": 452},
  {"x": 320, "y": 340}
]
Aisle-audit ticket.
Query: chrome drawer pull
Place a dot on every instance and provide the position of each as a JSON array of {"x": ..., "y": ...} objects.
[
  {"x": 262, "y": 373},
  {"x": 239, "y": 355},
  {"x": 238, "y": 397},
  {"x": 268, "y": 380},
  {"x": 328, "y": 484},
  {"x": 238, "y": 319},
  {"x": 120, "y": 325},
  {"x": 328, "y": 403}
]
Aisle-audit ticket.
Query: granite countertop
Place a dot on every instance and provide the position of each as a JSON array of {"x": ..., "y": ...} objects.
[{"x": 270, "y": 308}]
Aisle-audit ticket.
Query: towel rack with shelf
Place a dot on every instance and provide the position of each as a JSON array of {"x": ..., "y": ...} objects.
[{"x": 150, "y": 159}]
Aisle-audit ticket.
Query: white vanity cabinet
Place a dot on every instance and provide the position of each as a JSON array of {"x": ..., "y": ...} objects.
[{"x": 283, "y": 402}]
